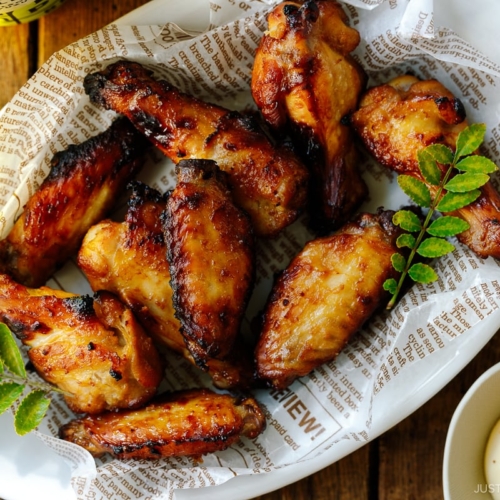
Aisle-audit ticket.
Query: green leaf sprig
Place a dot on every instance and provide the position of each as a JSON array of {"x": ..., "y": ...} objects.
[
  {"x": 447, "y": 193},
  {"x": 32, "y": 407}
]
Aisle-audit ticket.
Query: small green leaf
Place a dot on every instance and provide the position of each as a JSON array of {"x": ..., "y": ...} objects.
[
  {"x": 407, "y": 220},
  {"x": 453, "y": 201},
  {"x": 398, "y": 262},
  {"x": 428, "y": 167},
  {"x": 422, "y": 273},
  {"x": 441, "y": 153},
  {"x": 10, "y": 353},
  {"x": 462, "y": 183},
  {"x": 405, "y": 240},
  {"x": 470, "y": 139},
  {"x": 434, "y": 247},
  {"x": 30, "y": 412},
  {"x": 9, "y": 393},
  {"x": 447, "y": 225},
  {"x": 476, "y": 164},
  {"x": 415, "y": 189},
  {"x": 437, "y": 164},
  {"x": 391, "y": 285}
]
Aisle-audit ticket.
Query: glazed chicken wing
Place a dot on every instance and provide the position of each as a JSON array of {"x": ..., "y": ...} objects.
[
  {"x": 91, "y": 348},
  {"x": 398, "y": 119},
  {"x": 191, "y": 423},
  {"x": 268, "y": 182},
  {"x": 129, "y": 259},
  {"x": 324, "y": 296},
  {"x": 305, "y": 82},
  {"x": 81, "y": 188},
  {"x": 211, "y": 255}
]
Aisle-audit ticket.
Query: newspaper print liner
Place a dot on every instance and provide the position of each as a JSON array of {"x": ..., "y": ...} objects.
[{"x": 339, "y": 402}]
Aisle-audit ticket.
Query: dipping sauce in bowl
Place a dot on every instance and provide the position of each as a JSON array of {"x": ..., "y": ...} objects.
[
  {"x": 473, "y": 437},
  {"x": 492, "y": 462}
]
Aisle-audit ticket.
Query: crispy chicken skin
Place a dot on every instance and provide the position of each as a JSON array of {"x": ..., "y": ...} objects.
[
  {"x": 396, "y": 120},
  {"x": 268, "y": 182},
  {"x": 192, "y": 423},
  {"x": 211, "y": 250},
  {"x": 305, "y": 82},
  {"x": 129, "y": 259},
  {"x": 324, "y": 296},
  {"x": 91, "y": 348},
  {"x": 81, "y": 188}
]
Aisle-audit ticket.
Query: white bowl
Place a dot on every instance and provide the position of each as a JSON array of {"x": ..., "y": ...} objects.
[{"x": 470, "y": 428}]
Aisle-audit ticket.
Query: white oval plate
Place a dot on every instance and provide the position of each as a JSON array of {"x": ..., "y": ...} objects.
[{"x": 28, "y": 469}]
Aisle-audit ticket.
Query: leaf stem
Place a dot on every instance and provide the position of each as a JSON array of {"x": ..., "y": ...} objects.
[{"x": 434, "y": 203}]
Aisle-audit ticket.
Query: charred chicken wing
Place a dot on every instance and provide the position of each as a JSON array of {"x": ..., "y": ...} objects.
[
  {"x": 305, "y": 82},
  {"x": 191, "y": 423},
  {"x": 211, "y": 255},
  {"x": 129, "y": 259},
  {"x": 324, "y": 296},
  {"x": 398, "y": 119},
  {"x": 81, "y": 188},
  {"x": 91, "y": 348},
  {"x": 268, "y": 182}
]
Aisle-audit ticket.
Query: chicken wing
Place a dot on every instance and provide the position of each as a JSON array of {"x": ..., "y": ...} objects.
[
  {"x": 129, "y": 259},
  {"x": 91, "y": 348},
  {"x": 81, "y": 188},
  {"x": 268, "y": 182},
  {"x": 305, "y": 82},
  {"x": 324, "y": 296},
  {"x": 191, "y": 423},
  {"x": 211, "y": 255},
  {"x": 396, "y": 120}
]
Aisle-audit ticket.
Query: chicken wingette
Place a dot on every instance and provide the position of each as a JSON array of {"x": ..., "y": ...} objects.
[
  {"x": 81, "y": 188},
  {"x": 398, "y": 119},
  {"x": 186, "y": 423},
  {"x": 91, "y": 348},
  {"x": 210, "y": 249},
  {"x": 129, "y": 259},
  {"x": 324, "y": 296},
  {"x": 305, "y": 82},
  {"x": 269, "y": 182}
]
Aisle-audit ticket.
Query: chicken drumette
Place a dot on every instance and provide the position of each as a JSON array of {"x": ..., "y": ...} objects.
[
  {"x": 268, "y": 182},
  {"x": 396, "y": 120},
  {"x": 91, "y": 348},
  {"x": 82, "y": 186},
  {"x": 305, "y": 82}
]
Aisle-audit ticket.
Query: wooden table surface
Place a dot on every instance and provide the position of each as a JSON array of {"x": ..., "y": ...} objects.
[{"x": 404, "y": 463}]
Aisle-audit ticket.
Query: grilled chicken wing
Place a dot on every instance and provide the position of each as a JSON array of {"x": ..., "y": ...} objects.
[
  {"x": 81, "y": 188},
  {"x": 268, "y": 182},
  {"x": 211, "y": 255},
  {"x": 191, "y": 423},
  {"x": 324, "y": 296},
  {"x": 129, "y": 259},
  {"x": 398, "y": 119},
  {"x": 305, "y": 81},
  {"x": 93, "y": 349}
]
